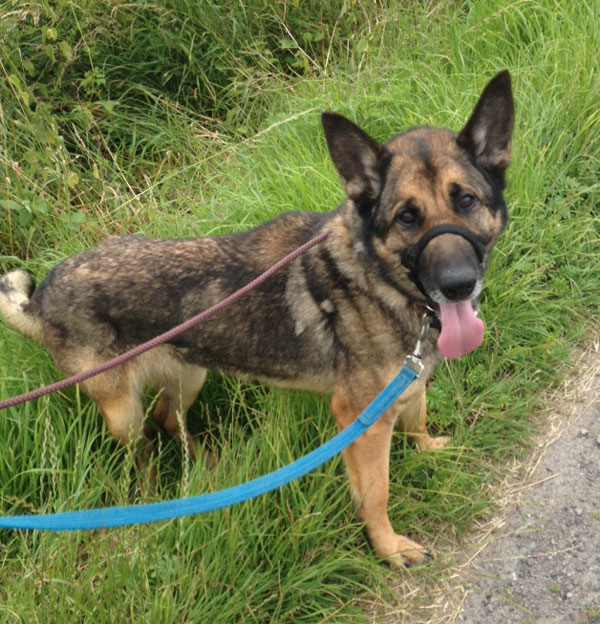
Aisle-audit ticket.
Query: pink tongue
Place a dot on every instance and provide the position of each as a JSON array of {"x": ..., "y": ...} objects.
[{"x": 462, "y": 331}]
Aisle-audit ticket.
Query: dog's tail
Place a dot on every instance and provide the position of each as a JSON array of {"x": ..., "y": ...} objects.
[{"x": 15, "y": 290}]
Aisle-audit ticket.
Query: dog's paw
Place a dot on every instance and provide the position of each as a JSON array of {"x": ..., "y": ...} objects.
[
  {"x": 432, "y": 444},
  {"x": 404, "y": 553},
  {"x": 427, "y": 556}
]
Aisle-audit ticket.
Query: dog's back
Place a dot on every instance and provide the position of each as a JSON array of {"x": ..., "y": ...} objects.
[{"x": 128, "y": 289}]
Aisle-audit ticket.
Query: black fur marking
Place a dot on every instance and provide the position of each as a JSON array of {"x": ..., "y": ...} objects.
[
  {"x": 371, "y": 213},
  {"x": 383, "y": 269},
  {"x": 423, "y": 153},
  {"x": 338, "y": 278},
  {"x": 313, "y": 283},
  {"x": 343, "y": 285},
  {"x": 61, "y": 330},
  {"x": 351, "y": 292}
]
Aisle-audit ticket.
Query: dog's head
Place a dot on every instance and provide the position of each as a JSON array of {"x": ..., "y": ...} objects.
[{"x": 430, "y": 206}]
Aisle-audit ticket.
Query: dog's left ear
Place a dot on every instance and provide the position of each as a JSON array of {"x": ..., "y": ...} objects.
[
  {"x": 359, "y": 159},
  {"x": 487, "y": 134}
]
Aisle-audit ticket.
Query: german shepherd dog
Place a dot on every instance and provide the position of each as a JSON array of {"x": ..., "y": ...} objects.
[{"x": 337, "y": 321}]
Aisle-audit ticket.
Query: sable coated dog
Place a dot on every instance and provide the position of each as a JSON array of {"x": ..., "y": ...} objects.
[{"x": 338, "y": 321}]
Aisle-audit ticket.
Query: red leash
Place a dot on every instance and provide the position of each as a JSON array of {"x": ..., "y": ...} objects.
[{"x": 168, "y": 335}]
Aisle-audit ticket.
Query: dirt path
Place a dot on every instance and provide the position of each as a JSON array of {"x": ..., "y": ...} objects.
[{"x": 542, "y": 565}]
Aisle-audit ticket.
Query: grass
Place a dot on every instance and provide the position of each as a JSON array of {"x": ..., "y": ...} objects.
[{"x": 100, "y": 142}]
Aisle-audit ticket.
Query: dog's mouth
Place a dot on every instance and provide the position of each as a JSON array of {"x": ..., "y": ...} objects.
[
  {"x": 461, "y": 331},
  {"x": 446, "y": 265}
]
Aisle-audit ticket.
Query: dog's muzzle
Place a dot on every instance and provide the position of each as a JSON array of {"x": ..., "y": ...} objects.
[
  {"x": 412, "y": 255},
  {"x": 460, "y": 330}
]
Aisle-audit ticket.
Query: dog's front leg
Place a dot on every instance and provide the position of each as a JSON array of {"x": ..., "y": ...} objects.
[
  {"x": 367, "y": 462},
  {"x": 413, "y": 419}
]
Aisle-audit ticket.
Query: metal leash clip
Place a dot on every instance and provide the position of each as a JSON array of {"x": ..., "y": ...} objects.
[{"x": 414, "y": 359}]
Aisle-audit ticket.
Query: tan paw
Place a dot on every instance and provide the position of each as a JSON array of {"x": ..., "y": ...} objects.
[
  {"x": 400, "y": 552},
  {"x": 432, "y": 444}
]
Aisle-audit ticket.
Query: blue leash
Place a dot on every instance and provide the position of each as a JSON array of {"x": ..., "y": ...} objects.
[{"x": 153, "y": 512}]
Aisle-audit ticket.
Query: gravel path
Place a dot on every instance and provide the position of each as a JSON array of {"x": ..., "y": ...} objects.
[{"x": 543, "y": 564}]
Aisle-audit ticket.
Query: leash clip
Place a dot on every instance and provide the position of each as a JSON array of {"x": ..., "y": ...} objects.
[{"x": 414, "y": 359}]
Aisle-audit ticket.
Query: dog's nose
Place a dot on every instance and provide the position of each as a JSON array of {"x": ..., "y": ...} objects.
[{"x": 457, "y": 283}]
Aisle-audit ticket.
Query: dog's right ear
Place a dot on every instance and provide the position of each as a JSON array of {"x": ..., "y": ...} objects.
[
  {"x": 359, "y": 159},
  {"x": 487, "y": 134}
]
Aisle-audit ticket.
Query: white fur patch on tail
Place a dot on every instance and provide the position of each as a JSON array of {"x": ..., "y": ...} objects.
[{"x": 14, "y": 296}]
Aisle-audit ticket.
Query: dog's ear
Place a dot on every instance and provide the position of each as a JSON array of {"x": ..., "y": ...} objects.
[
  {"x": 359, "y": 159},
  {"x": 487, "y": 134}
]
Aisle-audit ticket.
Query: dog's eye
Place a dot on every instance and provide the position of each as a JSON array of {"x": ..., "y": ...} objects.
[
  {"x": 466, "y": 201},
  {"x": 408, "y": 216}
]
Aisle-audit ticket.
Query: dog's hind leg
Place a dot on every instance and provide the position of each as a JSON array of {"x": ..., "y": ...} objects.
[
  {"x": 124, "y": 416},
  {"x": 179, "y": 391},
  {"x": 116, "y": 394},
  {"x": 118, "y": 398},
  {"x": 119, "y": 402},
  {"x": 413, "y": 419}
]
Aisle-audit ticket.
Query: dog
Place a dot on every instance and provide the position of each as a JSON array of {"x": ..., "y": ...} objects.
[{"x": 413, "y": 237}]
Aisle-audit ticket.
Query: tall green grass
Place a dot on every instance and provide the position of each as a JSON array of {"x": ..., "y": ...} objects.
[
  {"x": 100, "y": 97},
  {"x": 139, "y": 154}
]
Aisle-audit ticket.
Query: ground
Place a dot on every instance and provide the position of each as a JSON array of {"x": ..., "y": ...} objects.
[{"x": 543, "y": 564}]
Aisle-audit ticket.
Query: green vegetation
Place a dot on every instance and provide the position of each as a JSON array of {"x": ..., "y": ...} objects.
[{"x": 181, "y": 118}]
